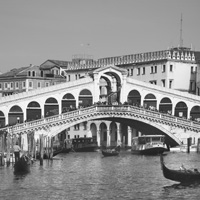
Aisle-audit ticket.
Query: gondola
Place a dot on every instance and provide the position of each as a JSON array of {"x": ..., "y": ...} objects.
[
  {"x": 22, "y": 165},
  {"x": 182, "y": 175},
  {"x": 111, "y": 152}
]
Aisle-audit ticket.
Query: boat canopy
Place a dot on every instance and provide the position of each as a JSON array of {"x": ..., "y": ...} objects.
[{"x": 148, "y": 139}]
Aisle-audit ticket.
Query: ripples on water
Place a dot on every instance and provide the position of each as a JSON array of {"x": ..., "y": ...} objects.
[{"x": 86, "y": 176}]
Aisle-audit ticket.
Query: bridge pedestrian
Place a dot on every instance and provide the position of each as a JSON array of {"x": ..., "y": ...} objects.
[{"x": 17, "y": 150}]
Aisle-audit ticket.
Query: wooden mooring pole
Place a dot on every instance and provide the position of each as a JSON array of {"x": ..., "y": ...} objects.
[
  {"x": 8, "y": 149},
  {"x": 41, "y": 149},
  {"x": 51, "y": 148},
  {"x": 2, "y": 161},
  {"x": 188, "y": 144},
  {"x": 198, "y": 145}
]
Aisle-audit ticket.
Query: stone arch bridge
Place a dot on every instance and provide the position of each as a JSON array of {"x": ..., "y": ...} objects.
[{"x": 148, "y": 108}]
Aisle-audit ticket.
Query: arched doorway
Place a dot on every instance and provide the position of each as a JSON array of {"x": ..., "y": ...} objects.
[
  {"x": 181, "y": 109},
  {"x": 93, "y": 130},
  {"x": 195, "y": 113},
  {"x": 85, "y": 98},
  {"x": 2, "y": 119},
  {"x": 134, "y": 98},
  {"x": 68, "y": 103},
  {"x": 165, "y": 106},
  {"x": 51, "y": 107},
  {"x": 150, "y": 102},
  {"x": 15, "y": 115},
  {"x": 103, "y": 134},
  {"x": 113, "y": 134},
  {"x": 33, "y": 111}
]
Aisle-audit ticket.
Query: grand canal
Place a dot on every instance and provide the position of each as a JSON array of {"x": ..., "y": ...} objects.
[{"x": 86, "y": 176}]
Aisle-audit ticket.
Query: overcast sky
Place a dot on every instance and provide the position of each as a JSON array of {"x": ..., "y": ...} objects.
[{"x": 33, "y": 31}]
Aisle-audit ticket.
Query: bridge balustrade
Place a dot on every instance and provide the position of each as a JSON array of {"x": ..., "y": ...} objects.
[{"x": 102, "y": 108}]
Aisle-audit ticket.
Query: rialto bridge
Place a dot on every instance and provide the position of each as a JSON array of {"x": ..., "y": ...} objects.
[{"x": 110, "y": 105}]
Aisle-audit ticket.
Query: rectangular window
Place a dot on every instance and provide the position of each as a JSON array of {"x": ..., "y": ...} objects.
[
  {"x": 192, "y": 70},
  {"x": 17, "y": 85},
  {"x": 0, "y": 86},
  {"x": 5, "y": 86},
  {"x": 128, "y": 72},
  {"x": 138, "y": 71},
  {"x": 24, "y": 84},
  {"x": 170, "y": 83},
  {"x": 163, "y": 83},
  {"x": 76, "y": 127},
  {"x": 153, "y": 82},
  {"x": 151, "y": 69},
  {"x": 131, "y": 72},
  {"x": 76, "y": 76},
  {"x": 191, "y": 85},
  {"x": 163, "y": 68},
  {"x": 30, "y": 84},
  {"x": 47, "y": 84},
  {"x": 155, "y": 69},
  {"x": 68, "y": 77},
  {"x": 39, "y": 85},
  {"x": 171, "y": 68},
  {"x": 143, "y": 70},
  {"x": 11, "y": 85}
]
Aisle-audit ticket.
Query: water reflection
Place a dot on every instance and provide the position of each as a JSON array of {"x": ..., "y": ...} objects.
[
  {"x": 181, "y": 186},
  {"x": 92, "y": 176}
]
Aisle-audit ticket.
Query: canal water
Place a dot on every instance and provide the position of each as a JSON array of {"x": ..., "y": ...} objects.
[{"x": 90, "y": 176}]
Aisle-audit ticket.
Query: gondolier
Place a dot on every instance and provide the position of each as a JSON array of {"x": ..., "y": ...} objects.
[{"x": 17, "y": 150}]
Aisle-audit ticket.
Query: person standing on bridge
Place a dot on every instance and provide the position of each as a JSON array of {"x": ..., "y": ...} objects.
[{"x": 17, "y": 150}]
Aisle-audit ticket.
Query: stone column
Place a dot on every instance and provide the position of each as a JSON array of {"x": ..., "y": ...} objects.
[
  {"x": 119, "y": 139},
  {"x": 129, "y": 136},
  {"x": 98, "y": 138},
  {"x": 108, "y": 137}
]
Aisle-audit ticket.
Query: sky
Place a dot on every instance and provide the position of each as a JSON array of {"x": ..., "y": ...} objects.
[{"x": 33, "y": 31}]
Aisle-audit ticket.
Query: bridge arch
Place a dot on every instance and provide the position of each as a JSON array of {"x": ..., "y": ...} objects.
[
  {"x": 2, "y": 119},
  {"x": 15, "y": 115},
  {"x": 33, "y": 111},
  {"x": 195, "y": 113},
  {"x": 113, "y": 134},
  {"x": 165, "y": 105},
  {"x": 150, "y": 101},
  {"x": 68, "y": 102},
  {"x": 51, "y": 107},
  {"x": 134, "y": 97},
  {"x": 103, "y": 134},
  {"x": 181, "y": 109},
  {"x": 85, "y": 98},
  {"x": 93, "y": 130}
]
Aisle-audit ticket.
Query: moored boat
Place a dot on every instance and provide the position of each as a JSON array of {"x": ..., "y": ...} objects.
[
  {"x": 183, "y": 175},
  {"x": 111, "y": 152},
  {"x": 22, "y": 165},
  {"x": 149, "y": 145},
  {"x": 84, "y": 144}
]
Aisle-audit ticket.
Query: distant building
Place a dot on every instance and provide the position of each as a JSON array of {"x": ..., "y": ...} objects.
[{"x": 25, "y": 79}]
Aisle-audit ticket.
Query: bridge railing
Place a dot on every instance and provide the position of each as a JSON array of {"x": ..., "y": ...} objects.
[{"x": 102, "y": 108}]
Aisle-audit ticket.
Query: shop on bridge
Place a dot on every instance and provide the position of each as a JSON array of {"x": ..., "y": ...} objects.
[
  {"x": 68, "y": 103},
  {"x": 165, "y": 106},
  {"x": 33, "y": 111},
  {"x": 15, "y": 116},
  {"x": 85, "y": 98},
  {"x": 181, "y": 110},
  {"x": 134, "y": 98},
  {"x": 51, "y": 107}
]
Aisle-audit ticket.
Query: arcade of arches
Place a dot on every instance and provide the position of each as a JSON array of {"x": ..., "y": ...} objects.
[{"x": 107, "y": 133}]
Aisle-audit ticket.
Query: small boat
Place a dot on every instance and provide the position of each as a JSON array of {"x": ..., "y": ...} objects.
[
  {"x": 149, "y": 145},
  {"x": 22, "y": 165},
  {"x": 84, "y": 144},
  {"x": 183, "y": 175},
  {"x": 111, "y": 152}
]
